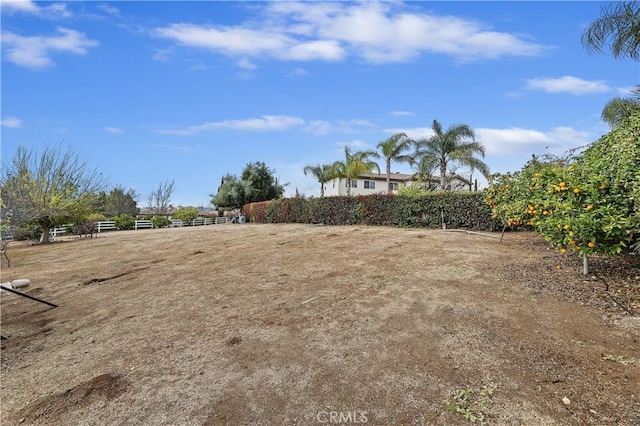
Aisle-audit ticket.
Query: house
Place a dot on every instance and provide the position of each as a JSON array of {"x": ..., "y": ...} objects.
[{"x": 373, "y": 183}]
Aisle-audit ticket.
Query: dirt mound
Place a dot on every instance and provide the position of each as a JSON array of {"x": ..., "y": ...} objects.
[{"x": 51, "y": 408}]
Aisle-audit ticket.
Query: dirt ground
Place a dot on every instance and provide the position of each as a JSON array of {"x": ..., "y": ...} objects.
[{"x": 297, "y": 324}]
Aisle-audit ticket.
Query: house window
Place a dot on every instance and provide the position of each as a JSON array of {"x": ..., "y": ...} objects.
[
  {"x": 369, "y": 184},
  {"x": 393, "y": 186},
  {"x": 354, "y": 183}
]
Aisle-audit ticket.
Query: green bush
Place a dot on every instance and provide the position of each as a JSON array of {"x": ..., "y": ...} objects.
[
  {"x": 185, "y": 214},
  {"x": 160, "y": 221},
  {"x": 125, "y": 221},
  {"x": 459, "y": 210},
  {"x": 27, "y": 232}
]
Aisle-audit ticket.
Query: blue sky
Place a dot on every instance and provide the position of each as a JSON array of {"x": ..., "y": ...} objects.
[{"x": 152, "y": 91}]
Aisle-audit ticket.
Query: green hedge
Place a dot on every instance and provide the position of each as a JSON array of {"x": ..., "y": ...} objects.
[{"x": 460, "y": 210}]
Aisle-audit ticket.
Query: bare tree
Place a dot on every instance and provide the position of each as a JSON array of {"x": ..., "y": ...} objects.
[
  {"x": 48, "y": 188},
  {"x": 160, "y": 199}
]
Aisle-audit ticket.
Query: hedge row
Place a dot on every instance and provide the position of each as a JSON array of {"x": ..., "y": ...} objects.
[{"x": 459, "y": 210}]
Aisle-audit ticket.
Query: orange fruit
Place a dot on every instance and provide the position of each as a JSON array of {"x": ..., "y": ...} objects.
[
  {"x": 576, "y": 190},
  {"x": 591, "y": 244}
]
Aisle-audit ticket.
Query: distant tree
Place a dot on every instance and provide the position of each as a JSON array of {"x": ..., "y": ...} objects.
[
  {"x": 262, "y": 185},
  {"x": 394, "y": 150},
  {"x": 456, "y": 144},
  {"x": 619, "y": 109},
  {"x": 257, "y": 183},
  {"x": 121, "y": 201},
  {"x": 185, "y": 214},
  {"x": 618, "y": 28},
  {"x": 425, "y": 166},
  {"x": 231, "y": 193},
  {"x": 160, "y": 199},
  {"x": 354, "y": 164},
  {"x": 322, "y": 173},
  {"x": 49, "y": 188}
]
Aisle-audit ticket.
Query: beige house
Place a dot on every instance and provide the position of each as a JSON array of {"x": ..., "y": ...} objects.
[{"x": 374, "y": 183}]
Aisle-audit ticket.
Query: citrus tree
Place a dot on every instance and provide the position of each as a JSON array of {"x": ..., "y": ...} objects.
[{"x": 587, "y": 204}]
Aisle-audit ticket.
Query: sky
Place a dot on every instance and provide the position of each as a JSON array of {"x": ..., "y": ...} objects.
[{"x": 154, "y": 91}]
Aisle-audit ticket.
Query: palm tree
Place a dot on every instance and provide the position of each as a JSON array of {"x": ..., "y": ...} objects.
[
  {"x": 392, "y": 150},
  {"x": 450, "y": 146},
  {"x": 322, "y": 173},
  {"x": 618, "y": 28},
  {"x": 619, "y": 109},
  {"x": 354, "y": 165},
  {"x": 425, "y": 164}
]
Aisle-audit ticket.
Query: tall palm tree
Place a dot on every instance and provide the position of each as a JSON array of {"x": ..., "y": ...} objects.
[
  {"x": 392, "y": 150},
  {"x": 452, "y": 146},
  {"x": 619, "y": 109},
  {"x": 322, "y": 172},
  {"x": 618, "y": 28},
  {"x": 354, "y": 164},
  {"x": 425, "y": 165}
]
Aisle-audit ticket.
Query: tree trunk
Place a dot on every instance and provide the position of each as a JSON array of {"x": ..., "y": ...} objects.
[
  {"x": 585, "y": 264},
  {"x": 348, "y": 187},
  {"x": 44, "y": 238},
  {"x": 443, "y": 175},
  {"x": 389, "y": 191},
  {"x": 321, "y": 189}
]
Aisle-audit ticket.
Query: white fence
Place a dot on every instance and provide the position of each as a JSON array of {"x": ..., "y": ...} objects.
[{"x": 110, "y": 225}]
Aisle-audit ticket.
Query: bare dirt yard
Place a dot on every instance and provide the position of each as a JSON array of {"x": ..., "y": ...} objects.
[{"x": 296, "y": 324}]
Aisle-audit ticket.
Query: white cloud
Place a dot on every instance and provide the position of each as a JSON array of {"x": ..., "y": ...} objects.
[
  {"x": 319, "y": 127},
  {"x": 246, "y": 65},
  {"x": 377, "y": 32},
  {"x": 12, "y": 122},
  {"x": 234, "y": 41},
  {"x": 55, "y": 10},
  {"x": 109, "y": 9},
  {"x": 298, "y": 72},
  {"x": 516, "y": 141},
  {"x": 34, "y": 51},
  {"x": 567, "y": 84},
  {"x": 113, "y": 130},
  {"x": 402, "y": 113},
  {"x": 354, "y": 126},
  {"x": 266, "y": 123}
]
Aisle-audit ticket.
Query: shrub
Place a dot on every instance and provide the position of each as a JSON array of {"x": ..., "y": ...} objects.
[
  {"x": 27, "y": 232},
  {"x": 160, "y": 221},
  {"x": 466, "y": 210},
  {"x": 125, "y": 221},
  {"x": 185, "y": 214}
]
